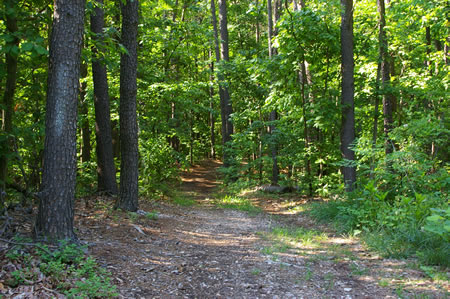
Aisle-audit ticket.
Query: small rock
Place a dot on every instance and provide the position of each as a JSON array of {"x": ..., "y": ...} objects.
[{"x": 347, "y": 289}]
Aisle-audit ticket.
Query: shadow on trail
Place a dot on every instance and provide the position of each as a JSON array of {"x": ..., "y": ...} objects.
[
  {"x": 202, "y": 179},
  {"x": 204, "y": 252}
]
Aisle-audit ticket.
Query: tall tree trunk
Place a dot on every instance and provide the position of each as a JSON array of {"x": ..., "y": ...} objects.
[
  {"x": 128, "y": 197},
  {"x": 85, "y": 130},
  {"x": 106, "y": 169},
  {"x": 11, "y": 7},
  {"x": 388, "y": 100},
  {"x": 172, "y": 66},
  {"x": 273, "y": 113},
  {"x": 376, "y": 105},
  {"x": 303, "y": 81},
  {"x": 428, "y": 42},
  {"x": 258, "y": 30},
  {"x": 348, "y": 90},
  {"x": 55, "y": 214},
  {"x": 226, "y": 106},
  {"x": 212, "y": 119}
]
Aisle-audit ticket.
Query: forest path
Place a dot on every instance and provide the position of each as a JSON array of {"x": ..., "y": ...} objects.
[{"x": 202, "y": 251}]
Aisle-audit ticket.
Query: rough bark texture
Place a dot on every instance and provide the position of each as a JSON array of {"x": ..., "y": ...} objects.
[
  {"x": 128, "y": 194},
  {"x": 8, "y": 96},
  {"x": 225, "y": 103},
  {"x": 388, "y": 100},
  {"x": 106, "y": 170},
  {"x": 55, "y": 215},
  {"x": 348, "y": 90}
]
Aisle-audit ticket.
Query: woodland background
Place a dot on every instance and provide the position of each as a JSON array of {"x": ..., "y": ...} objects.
[{"x": 283, "y": 122}]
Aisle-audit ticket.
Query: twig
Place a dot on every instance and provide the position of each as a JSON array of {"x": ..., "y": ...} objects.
[
  {"x": 27, "y": 244},
  {"x": 50, "y": 290}
]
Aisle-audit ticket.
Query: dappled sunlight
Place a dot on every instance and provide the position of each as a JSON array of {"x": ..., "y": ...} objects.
[{"x": 217, "y": 243}]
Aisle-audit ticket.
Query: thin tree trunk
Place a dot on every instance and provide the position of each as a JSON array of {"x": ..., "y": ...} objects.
[
  {"x": 428, "y": 41},
  {"x": 348, "y": 90},
  {"x": 376, "y": 105},
  {"x": 273, "y": 113},
  {"x": 11, "y": 7},
  {"x": 212, "y": 119},
  {"x": 226, "y": 106},
  {"x": 303, "y": 80},
  {"x": 106, "y": 169},
  {"x": 128, "y": 196},
  {"x": 257, "y": 33},
  {"x": 85, "y": 130},
  {"x": 54, "y": 220},
  {"x": 386, "y": 78}
]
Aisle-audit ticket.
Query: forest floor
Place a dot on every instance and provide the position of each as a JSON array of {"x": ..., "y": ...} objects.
[{"x": 191, "y": 247}]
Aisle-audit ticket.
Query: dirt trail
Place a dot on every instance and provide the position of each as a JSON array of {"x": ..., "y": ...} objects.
[{"x": 202, "y": 251}]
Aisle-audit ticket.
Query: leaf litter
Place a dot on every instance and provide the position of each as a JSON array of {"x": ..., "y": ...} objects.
[{"x": 202, "y": 251}]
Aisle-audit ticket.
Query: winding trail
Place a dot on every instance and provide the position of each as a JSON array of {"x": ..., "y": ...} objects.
[{"x": 202, "y": 251}]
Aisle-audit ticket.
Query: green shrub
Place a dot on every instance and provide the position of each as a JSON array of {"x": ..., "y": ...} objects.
[{"x": 67, "y": 268}]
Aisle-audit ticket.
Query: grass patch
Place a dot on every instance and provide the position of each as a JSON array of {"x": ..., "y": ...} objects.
[
  {"x": 183, "y": 201},
  {"x": 301, "y": 208},
  {"x": 308, "y": 275},
  {"x": 238, "y": 203},
  {"x": 383, "y": 283},
  {"x": 153, "y": 215},
  {"x": 396, "y": 229},
  {"x": 357, "y": 270},
  {"x": 294, "y": 236},
  {"x": 283, "y": 239}
]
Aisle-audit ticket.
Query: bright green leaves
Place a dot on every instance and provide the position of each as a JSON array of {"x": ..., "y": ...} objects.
[
  {"x": 34, "y": 47},
  {"x": 439, "y": 223}
]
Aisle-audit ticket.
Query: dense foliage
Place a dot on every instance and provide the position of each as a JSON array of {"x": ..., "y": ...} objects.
[{"x": 403, "y": 194}]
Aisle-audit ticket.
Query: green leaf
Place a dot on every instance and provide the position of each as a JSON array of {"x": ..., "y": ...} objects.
[
  {"x": 41, "y": 50},
  {"x": 27, "y": 46}
]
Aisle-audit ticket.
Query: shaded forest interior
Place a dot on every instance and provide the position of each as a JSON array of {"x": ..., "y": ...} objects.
[{"x": 343, "y": 101}]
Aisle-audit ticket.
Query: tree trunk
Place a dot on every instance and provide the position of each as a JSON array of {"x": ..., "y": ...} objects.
[
  {"x": 55, "y": 215},
  {"x": 212, "y": 119},
  {"x": 348, "y": 90},
  {"x": 128, "y": 197},
  {"x": 273, "y": 113},
  {"x": 226, "y": 107},
  {"x": 257, "y": 31},
  {"x": 106, "y": 169},
  {"x": 303, "y": 81},
  {"x": 85, "y": 130},
  {"x": 385, "y": 78},
  {"x": 10, "y": 89},
  {"x": 376, "y": 105}
]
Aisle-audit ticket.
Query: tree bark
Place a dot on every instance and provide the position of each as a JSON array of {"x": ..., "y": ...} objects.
[
  {"x": 226, "y": 106},
  {"x": 348, "y": 90},
  {"x": 55, "y": 214},
  {"x": 128, "y": 195},
  {"x": 10, "y": 89},
  {"x": 106, "y": 169},
  {"x": 85, "y": 130},
  {"x": 212, "y": 119},
  {"x": 376, "y": 105},
  {"x": 388, "y": 100},
  {"x": 273, "y": 113}
]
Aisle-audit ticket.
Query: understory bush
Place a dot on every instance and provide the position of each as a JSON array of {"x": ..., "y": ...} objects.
[
  {"x": 158, "y": 165},
  {"x": 66, "y": 269},
  {"x": 400, "y": 204}
]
